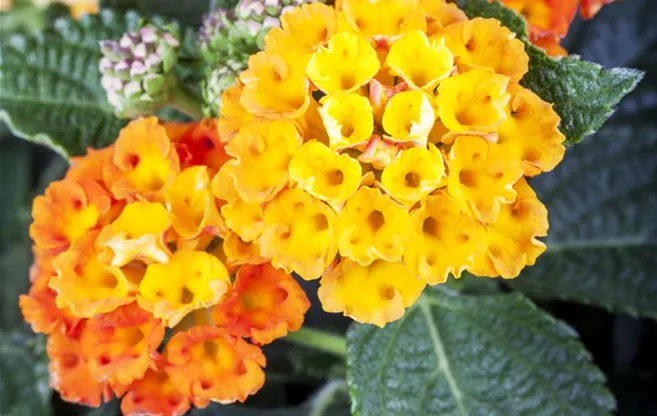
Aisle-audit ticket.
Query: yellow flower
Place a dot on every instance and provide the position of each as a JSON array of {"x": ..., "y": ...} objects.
[
  {"x": 531, "y": 133},
  {"x": 275, "y": 85},
  {"x": 262, "y": 151},
  {"x": 443, "y": 240},
  {"x": 233, "y": 114},
  {"x": 383, "y": 17},
  {"x": 192, "y": 204},
  {"x": 348, "y": 119},
  {"x": 420, "y": 62},
  {"x": 348, "y": 63},
  {"x": 409, "y": 117},
  {"x": 440, "y": 15},
  {"x": 325, "y": 174},
  {"x": 139, "y": 233},
  {"x": 481, "y": 176},
  {"x": 414, "y": 175},
  {"x": 191, "y": 280},
  {"x": 85, "y": 285},
  {"x": 303, "y": 29},
  {"x": 374, "y": 294},
  {"x": 299, "y": 234},
  {"x": 511, "y": 242},
  {"x": 372, "y": 226},
  {"x": 485, "y": 43},
  {"x": 244, "y": 219},
  {"x": 473, "y": 102}
]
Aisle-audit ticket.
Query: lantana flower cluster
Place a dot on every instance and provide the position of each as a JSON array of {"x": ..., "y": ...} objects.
[
  {"x": 143, "y": 290},
  {"x": 382, "y": 146}
]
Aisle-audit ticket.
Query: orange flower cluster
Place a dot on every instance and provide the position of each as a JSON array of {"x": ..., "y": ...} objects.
[
  {"x": 142, "y": 289},
  {"x": 549, "y": 20}
]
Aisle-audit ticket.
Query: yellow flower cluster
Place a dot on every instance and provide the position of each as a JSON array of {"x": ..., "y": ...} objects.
[{"x": 382, "y": 146}]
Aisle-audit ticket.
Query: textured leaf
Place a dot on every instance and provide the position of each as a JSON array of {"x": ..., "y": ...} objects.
[
  {"x": 584, "y": 94},
  {"x": 23, "y": 375},
  {"x": 473, "y": 355},
  {"x": 50, "y": 89},
  {"x": 602, "y": 244}
]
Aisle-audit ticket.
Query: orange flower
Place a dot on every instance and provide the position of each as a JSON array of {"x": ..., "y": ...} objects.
[
  {"x": 264, "y": 303},
  {"x": 70, "y": 374},
  {"x": 41, "y": 312},
  {"x": 144, "y": 161},
  {"x": 208, "y": 364},
  {"x": 201, "y": 145},
  {"x": 154, "y": 394},
  {"x": 119, "y": 345},
  {"x": 66, "y": 212},
  {"x": 90, "y": 166}
]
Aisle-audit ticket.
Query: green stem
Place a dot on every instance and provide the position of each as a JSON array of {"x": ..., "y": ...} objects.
[
  {"x": 320, "y": 340},
  {"x": 187, "y": 102}
]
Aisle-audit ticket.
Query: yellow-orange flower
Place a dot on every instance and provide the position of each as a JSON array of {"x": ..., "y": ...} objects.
[
  {"x": 443, "y": 240},
  {"x": 372, "y": 226},
  {"x": 382, "y": 17},
  {"x": 390, "y": 289},
  {"x": 346, "y": 64},
  {"x": 208, "y": 364},
  {"x": 473, "y": 102},
  {"x": 409, "y": 117},
  {"x": 118, "y": 345},
  {"x": 303, "y": 28},
  {"x": 421, "y": 62},
  {"x": 189, "y": 281},
  {"x": 144, "y": 161},
  {"x": 275, "y": 85},
  {"x": 299, "y": 234},
  {"x": 482, "y": 176},
  {"x": 485, "y": 43},
  {"x": 262, "y": 151},
  {"x": 440, "y": 14},
  {"x": 414, "y": 174},
  {"x": 139, "y": 233},
  {"x": 264, "y": 304},
  {"x": 84, "y": 284},
  {"x": 233, "y": 113},
  {"x": 324, "y": 174},
  {"x": 531, "y": 132},
  {"x": 66, "y": 212},
  {"x": 347, "y": 119},
  {"x": 192, "y": 204},
  {"x": 238, "y": 252},
  {"x": 511, "y": 242},
  {"x": 244, "y": 219}
]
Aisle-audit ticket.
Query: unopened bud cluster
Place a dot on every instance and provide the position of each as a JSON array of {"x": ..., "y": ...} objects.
[{"x": 137, "y": 68}]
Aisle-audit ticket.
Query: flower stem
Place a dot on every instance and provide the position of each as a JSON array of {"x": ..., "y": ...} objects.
[
  {"x": 187, "y": 102},
  {"x": 320, "y": 340}
]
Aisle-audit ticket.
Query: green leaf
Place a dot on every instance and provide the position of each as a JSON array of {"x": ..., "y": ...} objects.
[
  {"x": 473, "y": 355},
  {"x": 602, "y": 243},
  {"x": 23, "y": 375},
  {"x": 50, "y": 89},
  {"x": 584, "y": 94}
]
